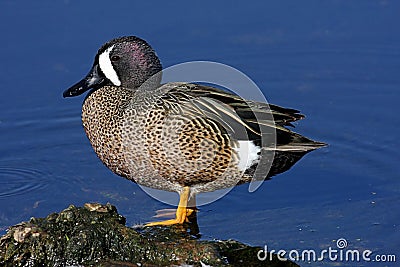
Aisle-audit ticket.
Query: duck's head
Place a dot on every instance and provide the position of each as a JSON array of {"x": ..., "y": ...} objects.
[{"x": 126, "y": 62}]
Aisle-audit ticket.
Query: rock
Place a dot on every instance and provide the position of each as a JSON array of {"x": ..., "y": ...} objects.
[{"x": 96, "y": 235}]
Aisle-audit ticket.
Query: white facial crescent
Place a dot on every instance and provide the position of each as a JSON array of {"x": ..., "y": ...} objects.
[{"x": 107, "y": 67}]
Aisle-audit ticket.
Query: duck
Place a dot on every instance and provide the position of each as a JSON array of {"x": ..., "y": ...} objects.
[{"x": 182, "y": 137}]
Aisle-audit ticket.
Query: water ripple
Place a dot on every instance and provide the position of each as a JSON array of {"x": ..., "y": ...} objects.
[{"x": 20, "y": 181}]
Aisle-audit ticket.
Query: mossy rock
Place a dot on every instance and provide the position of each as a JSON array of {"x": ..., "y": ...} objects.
[{"x": 96, "y": 235}]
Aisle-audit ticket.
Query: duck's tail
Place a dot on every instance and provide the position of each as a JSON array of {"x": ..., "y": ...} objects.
[{"x": 295, "y": 142}]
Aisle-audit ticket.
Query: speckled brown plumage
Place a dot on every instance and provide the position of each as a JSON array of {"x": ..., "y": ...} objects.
[{"x": 155, "y": 146}]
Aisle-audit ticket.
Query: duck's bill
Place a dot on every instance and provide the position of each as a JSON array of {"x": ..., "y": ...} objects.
[{"x": 92, "y": 81}]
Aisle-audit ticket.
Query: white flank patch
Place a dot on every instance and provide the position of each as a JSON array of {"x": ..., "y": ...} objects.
[
  {"x": 107, "y": 67},
  {"x": 248, "y": 154}
]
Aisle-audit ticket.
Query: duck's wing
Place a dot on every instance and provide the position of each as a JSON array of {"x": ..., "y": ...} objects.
[
  {"x": 228, "y": 108},
  {"x": 219, "y": 102}
]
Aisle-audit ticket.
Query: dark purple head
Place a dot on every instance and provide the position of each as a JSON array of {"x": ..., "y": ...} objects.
[{"x": 126, "y": 61}]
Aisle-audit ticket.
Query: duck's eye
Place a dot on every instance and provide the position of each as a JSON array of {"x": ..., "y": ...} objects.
[{"x": 115, "y": 58}]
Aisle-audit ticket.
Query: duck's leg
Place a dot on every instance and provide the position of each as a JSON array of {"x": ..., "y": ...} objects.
[{"x": 182, "y": 212}]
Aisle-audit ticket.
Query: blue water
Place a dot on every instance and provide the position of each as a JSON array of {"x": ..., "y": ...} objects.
[{"x": 338, "y": 62}]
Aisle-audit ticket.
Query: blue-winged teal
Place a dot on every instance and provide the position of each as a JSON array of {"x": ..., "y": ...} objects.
[{"x": 176, "y": 136}]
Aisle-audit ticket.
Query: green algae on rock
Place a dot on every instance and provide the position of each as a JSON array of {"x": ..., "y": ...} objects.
[{"x": 96, "y": 235}]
